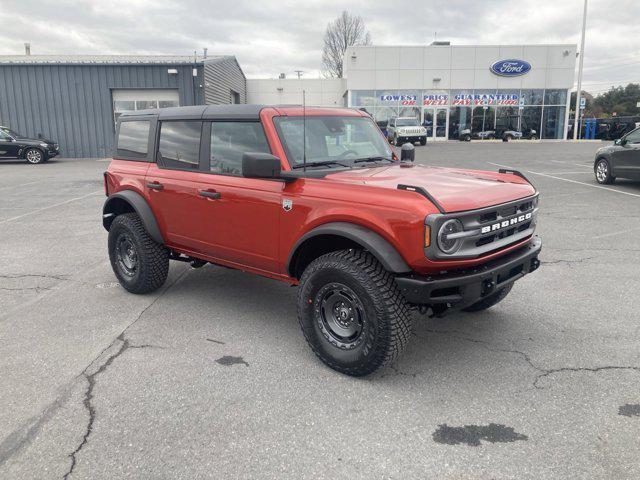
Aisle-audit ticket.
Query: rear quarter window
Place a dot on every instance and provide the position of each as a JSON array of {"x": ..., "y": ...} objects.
[{"x": 133, "y": 139}]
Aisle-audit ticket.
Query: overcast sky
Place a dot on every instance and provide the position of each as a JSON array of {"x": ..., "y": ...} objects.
[{"x": 273, "y": 36}]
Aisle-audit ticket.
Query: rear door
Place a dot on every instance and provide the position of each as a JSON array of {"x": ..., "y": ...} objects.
[
  {"x": 172, "y": 185},
  {"x": 626, "y": 157}
]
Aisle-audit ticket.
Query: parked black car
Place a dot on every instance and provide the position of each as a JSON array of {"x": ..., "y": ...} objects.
[
  {"x": 622, "y": 159},
  {"x": 34, "y": 150}
]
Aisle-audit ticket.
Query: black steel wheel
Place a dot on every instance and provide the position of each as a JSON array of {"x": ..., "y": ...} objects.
[
  {"x": 351, "y": 312},
  {"x": 140, "y": 264}
]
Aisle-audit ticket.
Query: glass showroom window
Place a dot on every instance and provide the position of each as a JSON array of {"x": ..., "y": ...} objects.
[
  {"x": 459, "y": 119},
  {"x": 553, "y": 122},
  {"x": 555, "y": 97},
  {"x": 507, "y": 118},
  {"x": 386, "y": 98},
  {"x": 383, "y": 114},
  {"x": 530, "y": 120},
  {"x": 532, "y": 97},
  {"x": 483, "y": 122},
  {"x": 363, "y": 98}
]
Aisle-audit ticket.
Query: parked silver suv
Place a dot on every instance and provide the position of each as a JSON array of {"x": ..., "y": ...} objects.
[{"x": 406, "y": 129}]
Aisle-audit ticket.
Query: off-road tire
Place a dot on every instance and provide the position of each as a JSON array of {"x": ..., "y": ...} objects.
[
  {"x": 152, "y": 258},
  {"x": 608, "y": 178},
  {"x": 34, "y": 156},
  {"x": 386, "y": 328},
  {"x": 423, "y": 141},
  {"x": 489, "y": 301}
]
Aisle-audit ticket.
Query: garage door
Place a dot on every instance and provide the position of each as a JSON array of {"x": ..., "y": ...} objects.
[{"x": 130, "y": 99}]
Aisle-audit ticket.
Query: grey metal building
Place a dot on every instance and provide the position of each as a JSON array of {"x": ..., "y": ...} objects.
[{"x": 75, "y": 100}]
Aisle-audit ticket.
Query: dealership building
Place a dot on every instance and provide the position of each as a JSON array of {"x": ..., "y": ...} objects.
[
  {"x": 448, "y": 87},
  {"x": 76, "y": 99}
]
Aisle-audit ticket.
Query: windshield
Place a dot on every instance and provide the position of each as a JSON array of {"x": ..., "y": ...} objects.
[
  {"x": 407, "y": 122},
  {"x": 340, "y": 139},
  {"x": 11, "y": 132}
]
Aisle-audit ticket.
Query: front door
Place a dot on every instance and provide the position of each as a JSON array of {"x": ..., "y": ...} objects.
[
  {"x": 436, "y": 122},
  {"x": 243, "y": 218},
  {"x": 626, "y": 158}
]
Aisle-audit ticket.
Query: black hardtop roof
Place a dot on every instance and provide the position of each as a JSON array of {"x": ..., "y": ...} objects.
[
  {"x": 212, "y": 112},
  {"x": 196, "y": 112}
]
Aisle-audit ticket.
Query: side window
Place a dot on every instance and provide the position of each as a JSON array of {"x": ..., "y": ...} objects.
[
  {"x": 633, "y": 137},
  {"x": 179, "y": 146},
  {"x": 133, "y": 139},
  {"x": 230, "y": 140}
]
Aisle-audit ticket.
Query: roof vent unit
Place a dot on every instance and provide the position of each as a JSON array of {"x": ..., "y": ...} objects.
[{"x": 441, "y": 43}]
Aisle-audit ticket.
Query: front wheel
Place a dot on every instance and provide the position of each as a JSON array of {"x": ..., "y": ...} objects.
[
  {"x": 140, "y": 264},
  {"x": 351, "y": 312},
  {"x": 489, "y": 301},
  {"x": 34, "y": 156},
  {"x": 603, "y": 172},
  {"x": 423, "y": 141}
]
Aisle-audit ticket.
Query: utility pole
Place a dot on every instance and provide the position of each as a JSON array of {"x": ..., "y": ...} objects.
[
  {"x": 299, "y": 73},
  {"x": 578, "y": 115}
]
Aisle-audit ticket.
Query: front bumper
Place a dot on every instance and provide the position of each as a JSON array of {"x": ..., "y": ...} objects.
[
  {"x": 460, "y": 289},
  {"x": 412, "y": 138}
]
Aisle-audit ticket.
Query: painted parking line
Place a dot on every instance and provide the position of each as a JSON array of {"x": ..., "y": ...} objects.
[
  {"x": 613, "y": 234},
  {"x": 21, "y": 184},
  {"x": 51, "y": 206},
  {"x": 600, "y": 187}
]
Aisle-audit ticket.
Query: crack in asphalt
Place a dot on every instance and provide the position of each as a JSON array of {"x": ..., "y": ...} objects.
[
  {"x": 542, "y": 372},
  {"x": 567, "y": 262},
  {"x": 34, "y": 275},
  {"x": 92, "y": 378}
]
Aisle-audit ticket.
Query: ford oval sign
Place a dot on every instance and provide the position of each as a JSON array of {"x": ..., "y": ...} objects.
[{"x": 510, "y": 68}]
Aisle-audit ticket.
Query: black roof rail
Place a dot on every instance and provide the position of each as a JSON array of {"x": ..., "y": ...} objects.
[{"x": 424, "y": 193}]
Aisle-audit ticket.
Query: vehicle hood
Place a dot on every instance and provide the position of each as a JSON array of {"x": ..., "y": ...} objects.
[
  {"x": 605, "y": 150},
  {"x": 34, "y": 141},
  {"x": 454, "y": 189}
]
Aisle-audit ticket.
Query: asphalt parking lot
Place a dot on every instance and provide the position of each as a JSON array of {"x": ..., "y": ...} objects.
[{"x": 211, "y": 377}]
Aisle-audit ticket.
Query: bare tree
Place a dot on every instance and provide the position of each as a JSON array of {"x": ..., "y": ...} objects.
[{"x": 345, "y": 31}]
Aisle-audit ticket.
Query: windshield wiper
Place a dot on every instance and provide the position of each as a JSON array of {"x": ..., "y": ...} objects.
[
  {"x": 317, "y": 164},
  {"x": 372, "y": 159}
]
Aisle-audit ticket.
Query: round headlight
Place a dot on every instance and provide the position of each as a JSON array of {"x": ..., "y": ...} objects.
[{"x": 446, "y": 244}]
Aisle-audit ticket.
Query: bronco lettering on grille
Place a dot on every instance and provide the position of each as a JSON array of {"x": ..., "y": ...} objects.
[{"x": 506, "y": 223}]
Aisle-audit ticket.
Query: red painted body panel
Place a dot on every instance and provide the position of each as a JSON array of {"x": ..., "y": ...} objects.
[{"x": 247, "y": 228}]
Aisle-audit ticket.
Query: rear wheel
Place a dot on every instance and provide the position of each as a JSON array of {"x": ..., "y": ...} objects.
[
  {"x": 489, "y": 301},
  {"x": 467, "y": 138},
  {"x": 351, "y": 312},
  {"x": 34, "y": 156},
  {"x": 603, "y": 172},
  {"x": 140, "y": 264}
]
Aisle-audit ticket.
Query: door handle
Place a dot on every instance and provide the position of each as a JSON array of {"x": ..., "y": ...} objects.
[
  {"x": 210, "y": 194},
  {"x": 155, "y": 185}
]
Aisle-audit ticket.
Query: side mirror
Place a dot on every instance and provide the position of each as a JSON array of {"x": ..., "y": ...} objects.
[
  {"x": 407, "y": 153},
  {"x": 260, "y": 165}
]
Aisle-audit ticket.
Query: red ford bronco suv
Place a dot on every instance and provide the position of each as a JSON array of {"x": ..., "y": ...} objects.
[{"x": 317, "y": 199}]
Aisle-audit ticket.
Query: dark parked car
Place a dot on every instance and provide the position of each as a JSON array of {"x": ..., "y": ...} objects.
[
  {"x": 34, "y": 150},
  {"x": 622, "y": 159}
]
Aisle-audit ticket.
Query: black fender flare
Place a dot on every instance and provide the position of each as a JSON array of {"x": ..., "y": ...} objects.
[
  {"x": 380, "y": 248},
  {"x": 139, "y": 205}
]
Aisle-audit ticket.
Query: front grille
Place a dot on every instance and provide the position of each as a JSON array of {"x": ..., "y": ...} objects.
[
  {"x": 515, "y": 221},
  {"x": 410, "y": 131}
]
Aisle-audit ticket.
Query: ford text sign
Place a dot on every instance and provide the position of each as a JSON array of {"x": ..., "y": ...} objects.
[{"x": 510, "y": 68}]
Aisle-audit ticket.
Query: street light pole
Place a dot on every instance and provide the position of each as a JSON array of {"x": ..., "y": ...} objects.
[{"x": 577, "y": 107}]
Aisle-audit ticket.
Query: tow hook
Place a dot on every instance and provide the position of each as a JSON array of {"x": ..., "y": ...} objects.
[
  {"x": 535, "y": 263},
  {"x": 487, "y": 287}
]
